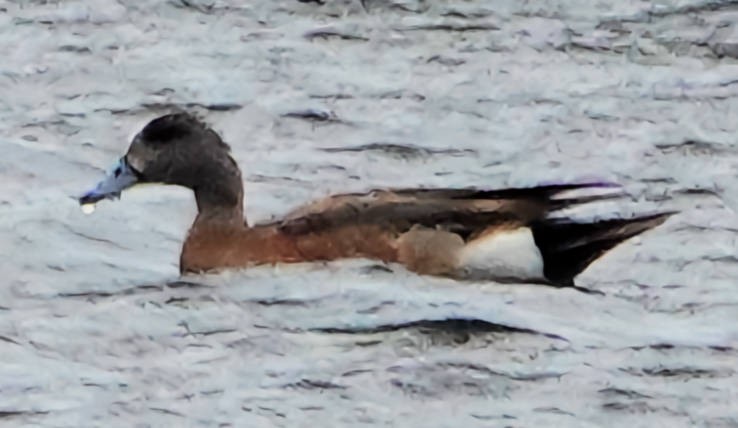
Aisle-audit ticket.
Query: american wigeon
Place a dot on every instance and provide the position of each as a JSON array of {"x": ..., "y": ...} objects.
[{"x": 503, "y": 234}]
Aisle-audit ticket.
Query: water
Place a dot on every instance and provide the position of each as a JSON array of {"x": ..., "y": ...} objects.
[
  {"x": 87, "y": 208},
  {"x": 98, "y": 329}
]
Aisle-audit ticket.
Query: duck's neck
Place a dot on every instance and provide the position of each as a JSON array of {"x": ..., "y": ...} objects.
[{"x": 220, "y": 199}]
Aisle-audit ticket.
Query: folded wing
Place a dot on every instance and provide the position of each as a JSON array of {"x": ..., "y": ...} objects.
[{"x": 461, "y": 211}]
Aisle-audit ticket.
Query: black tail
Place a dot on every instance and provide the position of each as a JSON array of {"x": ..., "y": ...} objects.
[{"x": 568, "y": 247}]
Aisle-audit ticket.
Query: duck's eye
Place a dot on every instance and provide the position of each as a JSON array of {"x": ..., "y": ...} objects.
[{"x": 117, "y": 172}]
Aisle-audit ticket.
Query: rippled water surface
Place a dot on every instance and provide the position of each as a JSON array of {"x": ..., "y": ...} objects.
[{"x": 98, "y": 329}]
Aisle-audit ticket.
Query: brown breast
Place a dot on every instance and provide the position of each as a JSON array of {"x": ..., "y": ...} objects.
[{"x": 211, "y": 247}]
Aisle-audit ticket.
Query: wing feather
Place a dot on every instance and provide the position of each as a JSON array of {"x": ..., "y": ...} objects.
[{"x": 462, "y": 211}]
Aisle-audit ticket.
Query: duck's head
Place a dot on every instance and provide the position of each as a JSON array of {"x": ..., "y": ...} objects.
[{"x": 173, "y": 149}]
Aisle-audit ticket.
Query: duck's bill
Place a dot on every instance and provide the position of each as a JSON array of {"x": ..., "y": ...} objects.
[{"x": 121, "y": 177}]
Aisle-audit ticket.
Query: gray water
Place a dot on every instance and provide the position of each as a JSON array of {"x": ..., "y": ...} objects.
[{"x": 98, "y": 329}]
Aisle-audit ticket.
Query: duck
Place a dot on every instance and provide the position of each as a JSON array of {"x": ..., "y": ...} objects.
[{"x": 504, "y": 235}]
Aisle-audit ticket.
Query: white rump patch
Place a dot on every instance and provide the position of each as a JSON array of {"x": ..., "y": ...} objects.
[{"x": 507, "y": 254}]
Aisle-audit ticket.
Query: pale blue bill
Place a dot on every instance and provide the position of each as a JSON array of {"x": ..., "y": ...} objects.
[{"x": 118, "y": 179}]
